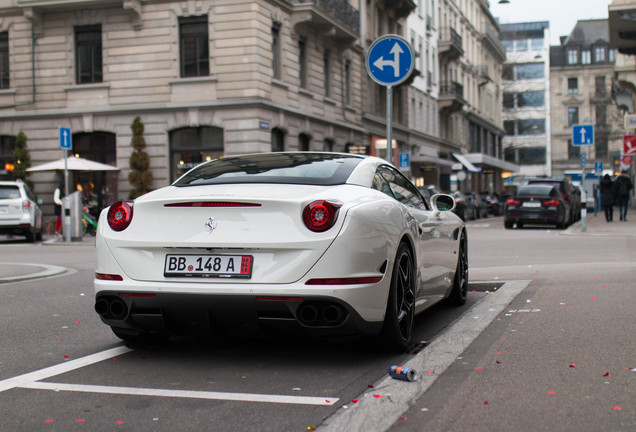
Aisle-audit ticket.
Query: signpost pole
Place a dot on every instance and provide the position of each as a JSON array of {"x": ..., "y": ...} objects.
[
  {"x": 67, "y": 219},
  {"x": 389, "y": 120},
  {"x": 583, "y": 201}
]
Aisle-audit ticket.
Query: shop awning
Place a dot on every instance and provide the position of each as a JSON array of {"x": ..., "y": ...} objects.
[
  {"x": 432, "y": 159},
  {"x": 489, "y": 161},
  {"x": 467, "y": 164}
]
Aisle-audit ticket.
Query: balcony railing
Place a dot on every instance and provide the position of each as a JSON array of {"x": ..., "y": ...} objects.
[
  {"x": 339, "y": 9},
  {"x": 450, "y": 43}
]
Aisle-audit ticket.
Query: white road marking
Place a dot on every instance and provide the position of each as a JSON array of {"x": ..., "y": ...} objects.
[
  {"x": 48, "y": 372},
  {"x": 32, "y": 380},
  {"x": 240, "y": 397}
]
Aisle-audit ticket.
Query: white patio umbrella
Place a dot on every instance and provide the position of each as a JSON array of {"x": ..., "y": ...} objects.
[{"x": 74, "y": 164}]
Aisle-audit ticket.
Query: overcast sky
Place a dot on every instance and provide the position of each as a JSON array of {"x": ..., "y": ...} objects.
[{"x": 562, "y": 14}]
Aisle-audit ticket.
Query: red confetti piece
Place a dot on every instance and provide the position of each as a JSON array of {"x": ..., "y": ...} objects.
[
  {"x": 484, "y": 403},
  {"x": 617, "y": 408},
  {"x": 551, "y": 392},
  {"x": 327, "y": 400},
  {"x": 119, "y": 422},
  {"x": 572, "y": 365},
  {"x": 355, "y": 400},
  {"x": 503, "y": 339},
  {"x": 78, "y": 322},
  {"x": 79, "y": 421},
  {"x": 403, "y": 418},
  {"x": 61, "y": 340},
  {"x": 479, "y": 368},
  {"x": 606, "y": 374},
  {"x": 499, "y": 353},
  {"x": 65, "y": 356},
  {"x": 377, "y": 396},
  {"x": 430, "y": 372},
  {"x": 593, "y": 298},
  {"x": 497, "y": 361},
  {"x": 49, "y": 421},
  {"x": 370, "y": 386}
]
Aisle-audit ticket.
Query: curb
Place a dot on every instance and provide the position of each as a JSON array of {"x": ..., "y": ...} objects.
[{"x": 49, "y": 270}]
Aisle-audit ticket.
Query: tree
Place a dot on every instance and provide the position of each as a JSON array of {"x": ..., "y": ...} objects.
[
  {"x": 22, "y": 159},
  {"x": 141, "y": 176}
]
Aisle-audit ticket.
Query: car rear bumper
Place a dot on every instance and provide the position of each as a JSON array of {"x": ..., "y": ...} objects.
[
  {"x": 540, "y": 216},
  {"x": 237, "y": 315}
]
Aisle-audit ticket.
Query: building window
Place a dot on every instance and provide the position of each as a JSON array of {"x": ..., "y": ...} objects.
[
  {"x": 192, "y": 146},
  {"x": 276, "y": 69},
  {"x": 531, "y": 127},
  {"x": 530, "y": 71},
  {"x": 601, "y": 115},
  {"x": 573, "y": 56},
  {"x": 509, "y": 127},
  {"x": 302, "y": 62},
  {"x": 599, "y": 54},
  {"x": 573, "y": 115},
  {"x": 531, "y": 99},
  {"x": 574, "y": 152},
  {"x": 278, "y": 140},
  {"x": 599, "y": 82},
  {"x": 88, "y": 54},
  {"x": 573, "y": 85},
  {"x": 600, "y": 145},
  {"x": 4, "y": 61},
  {"x": 303, "y": 142},
  {"x": 347, "y": 82},
  {"x": 327, "y": 145},
  {"x": 509, "y": 100},
  {"x": 586, "y": 57},
  {"x": 612, "y": 56},
  {"x": 195, "y": 54},
  {"x": 7, "y": 159},
  {"x": 526, "y": 155},
  {"x": 326, "y": 74}
]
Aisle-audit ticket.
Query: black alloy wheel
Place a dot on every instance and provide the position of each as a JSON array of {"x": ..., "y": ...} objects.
[
  {"x": 459, "y": 292},
  {"x": 398, "y": 321}
]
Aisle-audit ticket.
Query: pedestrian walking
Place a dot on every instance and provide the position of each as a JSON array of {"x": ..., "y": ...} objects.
[
  {"x": 57, "y": 199},
  {"x": 608, "y": 197},
  {"x": 623, "y": 185}
]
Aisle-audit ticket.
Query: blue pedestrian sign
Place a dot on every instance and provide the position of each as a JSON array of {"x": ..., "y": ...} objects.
[
  {"x": 390, "y": 60},
  {"x": 582, "y": 135},
  {"x": 598, "y": 168},
  {"x": 66, "y": 139}
]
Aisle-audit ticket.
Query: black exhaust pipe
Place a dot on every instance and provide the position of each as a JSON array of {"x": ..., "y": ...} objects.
[
  {"x": 118, "y": 309},
  {"x": 308, "y": 314},
  {"x": 332, "y": 314},
  {"x": 101, "y": 307}
]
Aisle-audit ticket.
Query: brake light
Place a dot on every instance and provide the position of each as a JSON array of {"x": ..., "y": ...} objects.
[
  {"x": 108, "y": 277},
  {"x": 320, "y": 215},
  {"x": 120, "y": 215},
  {"x": 513, "y": 202},
  {"x": 26, "y": 205},
  {"x": 551, "y": 203}
]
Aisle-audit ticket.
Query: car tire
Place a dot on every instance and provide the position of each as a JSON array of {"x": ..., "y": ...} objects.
[
  {"x": 30, "y": 235},
  {"x": 400, "y": 310},
  {"x": 508, "y": 225},
  {"x": 459, "y": 292}
]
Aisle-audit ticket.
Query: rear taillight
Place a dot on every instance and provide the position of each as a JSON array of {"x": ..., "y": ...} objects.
[
  {"x": 513, "y": 202},
  {"x": 551, "y": 203},
  {"x": 26, "y": 205},
  {"x": 320, "y": 215},
  {"x": 120, "y": 215},
  {"x": 108, "y": 277}
]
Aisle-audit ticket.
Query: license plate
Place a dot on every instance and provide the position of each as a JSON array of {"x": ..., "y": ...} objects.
[
  {"x": 221, "y": 266},
  {"x": 532, "y": 204}
]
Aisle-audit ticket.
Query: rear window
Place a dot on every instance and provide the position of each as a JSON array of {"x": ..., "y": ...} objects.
[
  {"x": 534, "y": 190},
  {"x": 9, "y": 192},
  {"x": 285, "y": 168}
]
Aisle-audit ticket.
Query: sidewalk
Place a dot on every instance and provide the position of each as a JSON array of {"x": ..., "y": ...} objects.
[{"x": 597, "y": 226}]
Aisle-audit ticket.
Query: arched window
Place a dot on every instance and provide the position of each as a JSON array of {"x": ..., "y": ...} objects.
[
  {"x": 99, "y": 187},
  {"x": 327, "y": 145},
  {"x": 278, "y": 140},
  {"x": 191, "y": 146},
  {"x": 303, "y": 142}
]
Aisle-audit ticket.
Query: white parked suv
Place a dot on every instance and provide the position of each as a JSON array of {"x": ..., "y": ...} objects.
[{"x": 19, "y": 211}]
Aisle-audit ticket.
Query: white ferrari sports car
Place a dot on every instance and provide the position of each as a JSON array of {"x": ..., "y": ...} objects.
[{"x": 327, "y": 243}]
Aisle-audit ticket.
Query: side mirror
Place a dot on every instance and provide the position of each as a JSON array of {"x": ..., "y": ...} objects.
[{"x": 442, "y": 202}]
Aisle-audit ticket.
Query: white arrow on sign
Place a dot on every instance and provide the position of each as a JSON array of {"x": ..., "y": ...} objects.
[
  {"x": 395, "y": 63},
  {"x": 64, "y": 134},
  {"x": 583, "y": 135}
]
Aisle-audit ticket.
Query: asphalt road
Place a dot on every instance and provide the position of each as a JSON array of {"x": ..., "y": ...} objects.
[{"x": 550, "y": 349}]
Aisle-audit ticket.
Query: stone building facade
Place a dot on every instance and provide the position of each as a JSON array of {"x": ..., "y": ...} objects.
[{"x": 582, "y": 82}]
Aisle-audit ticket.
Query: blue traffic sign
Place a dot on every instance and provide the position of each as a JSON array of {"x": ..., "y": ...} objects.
[
  {"x": 66, "y": 139},
  {"x": 390, "y": 60},
  {"x": 598, "y": 167},
  {"x": 405, "y": 160},
  {"x": 582, "y": 135}
]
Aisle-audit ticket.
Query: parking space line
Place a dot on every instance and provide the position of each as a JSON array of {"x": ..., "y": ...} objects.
[
  {"x": 48, "y": 372},
  {"x": 191, "y": 394}
]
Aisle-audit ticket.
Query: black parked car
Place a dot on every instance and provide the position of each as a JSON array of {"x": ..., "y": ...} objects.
[
  {"x": 570, "y": 194},
  {"x": 481, "y": 208},
  {"x": 537, "y": 204},
  {"x": 494, "y": 206},
  {"x": 461, "y": 206}
]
